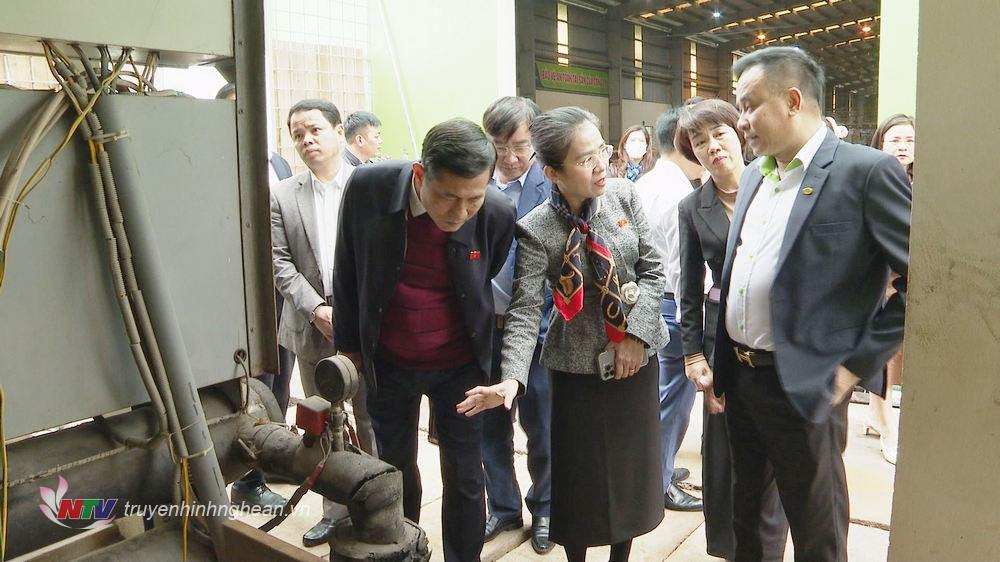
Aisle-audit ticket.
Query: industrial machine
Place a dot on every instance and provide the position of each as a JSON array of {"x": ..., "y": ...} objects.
[{"x": 137, "y": 306}]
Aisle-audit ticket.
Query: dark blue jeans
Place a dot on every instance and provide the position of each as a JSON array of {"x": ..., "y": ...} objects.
[
  {"x": 394, "y": 407},
  {"x": 677, "y": 394},
  {"x": 535, "y": 410}
]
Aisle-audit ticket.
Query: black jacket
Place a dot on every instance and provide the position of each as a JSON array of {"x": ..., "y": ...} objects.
[
  {"x": 371, "y": 244},
  {"x": 703, "y": 227}
]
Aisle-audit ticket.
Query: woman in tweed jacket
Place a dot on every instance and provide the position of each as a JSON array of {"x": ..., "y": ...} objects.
[{"x": 593, "y": 245}]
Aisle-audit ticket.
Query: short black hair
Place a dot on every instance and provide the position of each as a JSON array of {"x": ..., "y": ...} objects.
[
  {"x": 224, "y": 91},
  {"x": 666, "y": 127},
  {"x": 505, "y": 115},
  {"x": 791, "y": 64},
  {"x": 327, "y": 108},
  {"x": 357, "y": 122},
  {"x": 457, "y": 146},
  {"x": 709, "y": 113},
  {"x": 552, "y": 133}
]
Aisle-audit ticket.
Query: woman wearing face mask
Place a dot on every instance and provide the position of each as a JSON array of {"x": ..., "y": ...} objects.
[
  {"x": 707, "y": 134},
  {"x": 635, "y": 154},
  {"x": 896, "y": 136},
  {"x": 592, "y": 244}
]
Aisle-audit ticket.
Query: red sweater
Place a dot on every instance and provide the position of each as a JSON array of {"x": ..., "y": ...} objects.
[{"x": 422, "y": 328}]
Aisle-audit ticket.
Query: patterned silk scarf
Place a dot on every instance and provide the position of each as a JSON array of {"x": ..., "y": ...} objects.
[
  {"x": 632, "y": 171},
  {"x": 568, "y": 294}
]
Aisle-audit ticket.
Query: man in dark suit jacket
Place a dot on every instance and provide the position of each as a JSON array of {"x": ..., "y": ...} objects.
[
  {"x": 519, "y": 177},
  {"x": 363, "y": 132},
  {"x": 417, "y": 246},
  {"x": 818, "y": 225}
]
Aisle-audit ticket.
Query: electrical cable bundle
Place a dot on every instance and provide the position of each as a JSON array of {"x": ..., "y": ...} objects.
[{"x": 81, "y": 89}]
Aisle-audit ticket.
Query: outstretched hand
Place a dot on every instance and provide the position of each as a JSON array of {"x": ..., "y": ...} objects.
[{"x": 482, "y": 398}]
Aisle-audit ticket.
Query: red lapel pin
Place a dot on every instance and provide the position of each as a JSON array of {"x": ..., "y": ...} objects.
[{"x": 474, "y": 255}]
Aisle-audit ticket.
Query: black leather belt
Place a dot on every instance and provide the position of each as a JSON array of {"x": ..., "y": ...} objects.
[
  {"x": 753, "y": 358},
  {"x": 668, "y": 296}
]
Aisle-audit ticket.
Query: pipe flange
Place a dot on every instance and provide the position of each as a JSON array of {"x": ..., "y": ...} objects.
[{"x": 412, "y": 547}]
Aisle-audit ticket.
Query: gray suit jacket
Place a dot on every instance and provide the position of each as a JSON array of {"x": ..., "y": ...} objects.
[
  {"x": 295, "y": 258},
  {"x": 826, "y": 302},
  {"x": 573, "y": 346}
]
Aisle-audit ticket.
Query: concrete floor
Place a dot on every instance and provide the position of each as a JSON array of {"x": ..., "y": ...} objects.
[{"x": 679, "y": 538}]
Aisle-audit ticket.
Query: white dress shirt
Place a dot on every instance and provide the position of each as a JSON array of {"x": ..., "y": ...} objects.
[
  {"x": 660, "y": 190},
  {"x": 748, "y": 304},
  {"x": 326, "y": 197}
]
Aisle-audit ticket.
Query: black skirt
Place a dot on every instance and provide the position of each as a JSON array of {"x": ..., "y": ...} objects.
[{"x": 606, "y": 474}]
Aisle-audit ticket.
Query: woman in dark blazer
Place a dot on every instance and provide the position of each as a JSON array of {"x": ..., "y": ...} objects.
[
  {"x": 592, "y": 244},
  {"x": 707, "y": 134}
]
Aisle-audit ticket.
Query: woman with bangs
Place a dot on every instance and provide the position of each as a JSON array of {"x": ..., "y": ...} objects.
[{"x": 707, "y": 133}]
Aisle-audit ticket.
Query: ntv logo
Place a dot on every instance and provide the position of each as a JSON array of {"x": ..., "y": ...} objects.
[{"x": 59, "y": 509}]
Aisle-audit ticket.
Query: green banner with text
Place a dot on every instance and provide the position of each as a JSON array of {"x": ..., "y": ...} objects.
[{"x": 553, "y": 76}]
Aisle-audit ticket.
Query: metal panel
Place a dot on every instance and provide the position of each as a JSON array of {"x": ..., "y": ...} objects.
[
  {"x": 63, "y": 354},
  {"x": 179, "y": 26},
  {"x": 255, "y": 204}
]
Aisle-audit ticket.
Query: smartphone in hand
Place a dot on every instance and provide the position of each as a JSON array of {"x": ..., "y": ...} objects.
[{"x": 606, "y": 364}]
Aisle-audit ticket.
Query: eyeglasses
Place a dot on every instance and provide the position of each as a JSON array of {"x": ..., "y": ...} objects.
[
  {"x": 519, "y": 150},
  {"x": 592, "y": 159}
]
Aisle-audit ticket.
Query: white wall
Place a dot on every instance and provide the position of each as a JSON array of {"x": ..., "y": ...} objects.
[
  {"x": 641, "y": 112},
  {"x": 945, "y": 506},
  {"x": 597, "y": 105}
]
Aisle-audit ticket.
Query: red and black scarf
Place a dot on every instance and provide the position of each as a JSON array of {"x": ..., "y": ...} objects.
[{"x": 568, "y": 293}]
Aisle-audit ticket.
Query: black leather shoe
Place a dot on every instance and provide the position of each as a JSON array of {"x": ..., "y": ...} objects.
[
  {"x": 319, "y": 534},
  {"x": 678, "y": 500},
  {"x": 540, "y": 535},
  {"x": 681, "y": 474},
  {"x": 495, "y": 526},
  {"x": 257, "y": 496}
]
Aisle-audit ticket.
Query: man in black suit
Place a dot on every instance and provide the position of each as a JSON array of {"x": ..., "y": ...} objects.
[
  {"x": 417, "y": 248},
  {"x": 363, "y": 132},
  {"x": 818, "y": 225}
]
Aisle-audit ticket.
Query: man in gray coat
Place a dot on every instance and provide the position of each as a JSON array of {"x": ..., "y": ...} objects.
[
  {"x": 304, "y": 216},
  {"x": 818, "y": 226}
]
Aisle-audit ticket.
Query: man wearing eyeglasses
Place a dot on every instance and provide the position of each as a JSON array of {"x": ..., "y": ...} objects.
[{"x": 518, "y": 177}]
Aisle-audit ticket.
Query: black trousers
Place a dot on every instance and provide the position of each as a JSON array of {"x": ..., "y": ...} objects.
[
  {"x": 717, "y": 479},
  {"x": 394, "y": 408},
  {"x": 717, "y": 493},
  {"x": 808, "y": 463}
]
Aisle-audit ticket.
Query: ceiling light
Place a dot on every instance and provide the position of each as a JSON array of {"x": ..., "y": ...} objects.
[
  {"x": 717, "y": 14},
  {"x": 866, "y": 29},
  {"x": 761, "y": 36}
]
